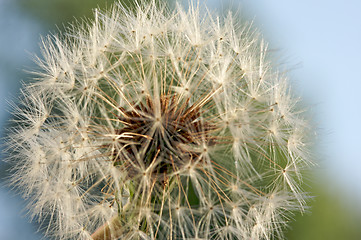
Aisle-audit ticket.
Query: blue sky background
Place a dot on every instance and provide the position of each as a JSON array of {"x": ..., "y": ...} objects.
[{"x": 319, "y": 41}]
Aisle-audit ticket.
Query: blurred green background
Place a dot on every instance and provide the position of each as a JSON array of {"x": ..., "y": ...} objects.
[{"x": 334, "y": 214}]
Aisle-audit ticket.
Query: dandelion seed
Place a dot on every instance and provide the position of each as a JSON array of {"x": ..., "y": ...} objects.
[{"x": 159, "y": 124}]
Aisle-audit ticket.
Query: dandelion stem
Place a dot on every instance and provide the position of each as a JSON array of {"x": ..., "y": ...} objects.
[{"x": 108, "y": 231}]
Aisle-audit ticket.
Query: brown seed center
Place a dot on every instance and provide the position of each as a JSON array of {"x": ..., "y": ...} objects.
[{"x": 165, "y": 134}]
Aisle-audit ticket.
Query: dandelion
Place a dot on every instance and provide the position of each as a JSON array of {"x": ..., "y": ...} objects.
[{"x": 159, "y": 124}]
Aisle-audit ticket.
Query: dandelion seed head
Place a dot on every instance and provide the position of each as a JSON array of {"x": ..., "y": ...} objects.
[{"x": 159, "y": 124}]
